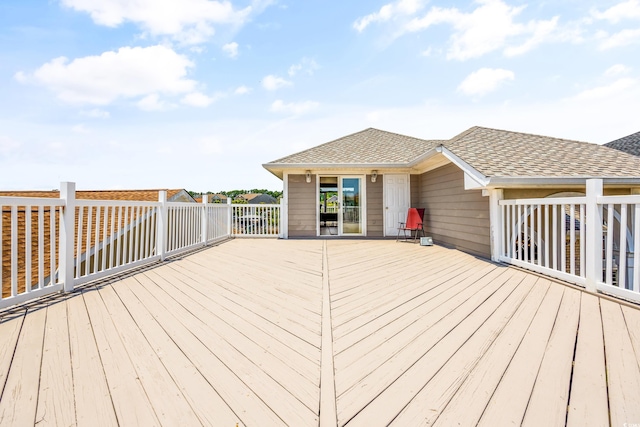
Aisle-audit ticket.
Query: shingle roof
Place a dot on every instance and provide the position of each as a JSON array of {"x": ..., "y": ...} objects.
[
  {"x": 629, "y": 144},
  {"x": 492, "y": 152},
  {"x": 503, "y": 153},
  {"x": 370, "y": 146}
]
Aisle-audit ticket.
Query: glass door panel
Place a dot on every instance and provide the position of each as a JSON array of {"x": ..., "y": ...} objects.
[{"x": 351, "y": 206}]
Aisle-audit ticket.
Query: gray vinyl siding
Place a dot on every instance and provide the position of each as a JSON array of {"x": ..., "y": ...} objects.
[
  {"x": 414, "y": 190},
  {"x": 375, "y": 209},
  {"x": 302, "y": 206},
  {"x": 454, "y": 216}
]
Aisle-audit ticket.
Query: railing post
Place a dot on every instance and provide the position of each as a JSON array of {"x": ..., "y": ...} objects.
[
  {"x": 67, "y": 233},
  {"x": 593, "y": 235},
  {"x": 280, "y": 219},
  {"x": 495, "y": 220},
  {"x": 205, "y": 219},
  {"x": 230, "y": 218},
  {"x": 162, "y": 224}
]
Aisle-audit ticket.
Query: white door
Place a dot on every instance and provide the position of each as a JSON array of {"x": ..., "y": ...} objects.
[{"x": 396, "y": 201}]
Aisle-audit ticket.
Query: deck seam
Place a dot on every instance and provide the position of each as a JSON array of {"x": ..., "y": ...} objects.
[{"x": 328, "y": 411}]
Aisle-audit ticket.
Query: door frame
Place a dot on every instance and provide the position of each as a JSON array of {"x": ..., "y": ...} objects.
[
  {"x": 384, "y": 196},
  {"x": 363, "y": 203}
]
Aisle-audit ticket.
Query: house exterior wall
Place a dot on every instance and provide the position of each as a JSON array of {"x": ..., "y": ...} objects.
[
  {"x": 302, "y": 206},
  {"x": 414, "y": 190},
  {"x": 375, "y": 207},
  {"x": 454, "y": 216}
]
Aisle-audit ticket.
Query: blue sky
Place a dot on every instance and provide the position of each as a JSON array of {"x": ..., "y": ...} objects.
[{"x": 197, "y": 94}]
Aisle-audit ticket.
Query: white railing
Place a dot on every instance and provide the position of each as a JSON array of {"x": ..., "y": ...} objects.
[
  {"x": 49, "y": 245},
  {"x": 590, "y": 241},
  {"x": 256, "y": 220},
  {"x": 29, "y": 255}
]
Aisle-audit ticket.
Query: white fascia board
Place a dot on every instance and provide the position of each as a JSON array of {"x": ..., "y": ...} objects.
[
  {"x": 472, "y": 176},
  {"x": 506, "y": 182}
]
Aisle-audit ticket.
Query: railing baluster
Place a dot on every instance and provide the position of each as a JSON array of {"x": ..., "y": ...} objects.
[
  {"x": 609, "y": 254},
  {"x": 582, "y": 240},
  {"x": 40, "y": 246},
  {"x": 52, "y": 245},
  {"x": 14, "y": 250},
  {"x": 104, "y": 238},
  {"x": 96, "y": 242},
  {"x": 546, "y": 236},
  {"x": 563, "y": 232},
  {"x": 572, "y": 239},
  {"x": 27, "y": 249},
  {"x": 622, "y": 268},
  {"x": 79, "y": 240},
  {"x": 636, "y": 248}
]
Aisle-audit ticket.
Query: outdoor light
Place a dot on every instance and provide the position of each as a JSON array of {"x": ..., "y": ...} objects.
[
  {"x": 374, "y": 176},
  {"x": 308, "y": 176}
]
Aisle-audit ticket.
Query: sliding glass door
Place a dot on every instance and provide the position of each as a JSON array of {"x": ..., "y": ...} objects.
[{"x": 351, "y": 213}]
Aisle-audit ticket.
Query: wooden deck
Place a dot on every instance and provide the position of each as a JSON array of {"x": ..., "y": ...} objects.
[{"x": 245, "y": 333}]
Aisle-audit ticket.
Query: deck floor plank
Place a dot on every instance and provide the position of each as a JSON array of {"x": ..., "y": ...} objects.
[
  {"x": 127, "y": 393},
  {"x": 588, "y": 400},
  {"x": 238, "y": 333},
  {"x": 167, "y": 398},
  {"x": 623, "y": 372},
  {"x": 201, "y": 394},
  {"x": 422, "y": 358},
  {"x": 471, "y": 399},
  {"x": 10, "y": 326},
  {"x": 280, "y": 400},
  {"x": 56, "y": 406},
  {"x": 550, "y": 408},
  {"x": 433, "y": 393},
  {"x": 20, "y": 398},
  {"x": 509, "y": 401},
  {"x": 94, "y": 406}
]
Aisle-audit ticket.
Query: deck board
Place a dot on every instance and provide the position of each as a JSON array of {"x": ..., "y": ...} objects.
[{"x": 239, "y": 333}]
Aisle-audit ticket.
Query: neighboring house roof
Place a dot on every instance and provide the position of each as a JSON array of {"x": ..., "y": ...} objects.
[
  {"x": 179, "y": 195},
  {"x": 629, "y": 144},
  {"x": 257, "y": 198},
  {"x": 482, "y": 152}
]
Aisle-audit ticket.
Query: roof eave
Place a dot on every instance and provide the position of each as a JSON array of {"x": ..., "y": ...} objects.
[{"x": 521, "y": 181}]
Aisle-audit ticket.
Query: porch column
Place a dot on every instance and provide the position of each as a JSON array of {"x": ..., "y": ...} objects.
[
  {"x": 67, "y": 234},
  {"x": 593, "y": 256},
  {"x": 495, "y": 220},
  {"x": 284, "y": 209}
]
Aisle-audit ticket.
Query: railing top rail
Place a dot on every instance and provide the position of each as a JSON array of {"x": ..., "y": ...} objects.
[
  {"x": 546, "y": 201},
  {"x": 85, "y": 202},
  {"x": 30, "y": 201},
  {"x": 602, "y": 200}
]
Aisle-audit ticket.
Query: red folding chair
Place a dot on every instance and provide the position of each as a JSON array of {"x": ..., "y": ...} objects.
[{"x": 414, "y": 224}]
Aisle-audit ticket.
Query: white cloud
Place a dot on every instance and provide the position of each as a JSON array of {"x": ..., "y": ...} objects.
[
  {"x": 189, "y": 21},
  {"x": 629, "y": 9},
  {"x": 491, "y": 26},
  {"x": 618, "y": 87},
  {"x": 197, "y": 99},
  {"x": 389, "y": 12},
  {"x": 484, "y": 80},
  {"x": 306, "y": 65},
  {"x": 621, "y": 38},
  {"x": 242, "y": 90},
  {"x": 616, "y": 70},
  {"x": 96, "y": 113},
  {"x": 272, "y": 82},
  {"x": 126, "y": 73},
  {"x": 294, "y": 108},
  {"x": 152, "y": 102},
  {"x": 231, "y": 49}
]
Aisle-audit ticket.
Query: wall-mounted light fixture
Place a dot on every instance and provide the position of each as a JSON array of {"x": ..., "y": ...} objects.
[
  {"x": 308, "y": 177},
  {"x": 374, "y": 176}
]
